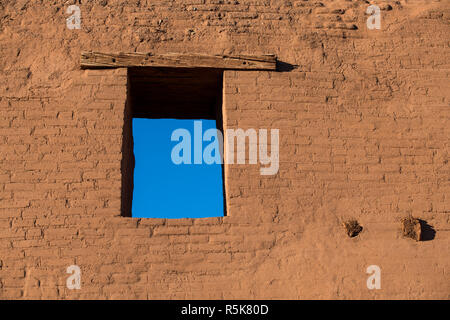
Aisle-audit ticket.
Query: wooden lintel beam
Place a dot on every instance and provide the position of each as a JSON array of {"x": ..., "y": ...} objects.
[{"x": 124, "y": 60}]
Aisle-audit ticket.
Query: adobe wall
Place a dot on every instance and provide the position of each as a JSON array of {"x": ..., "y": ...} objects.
[{"x": 364, "y": 133}]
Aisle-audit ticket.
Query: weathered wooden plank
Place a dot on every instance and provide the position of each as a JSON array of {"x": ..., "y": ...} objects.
[{"x": 118, "y": 60}]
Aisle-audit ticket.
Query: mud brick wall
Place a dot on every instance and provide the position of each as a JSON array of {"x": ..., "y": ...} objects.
[{"x": 364, "y": 132}]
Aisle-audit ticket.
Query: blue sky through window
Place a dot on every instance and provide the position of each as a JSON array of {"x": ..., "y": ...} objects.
[{"x": 163, "y": 189}]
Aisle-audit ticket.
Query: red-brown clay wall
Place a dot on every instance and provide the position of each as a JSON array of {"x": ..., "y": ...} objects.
[{"x": 364, "y": 133}]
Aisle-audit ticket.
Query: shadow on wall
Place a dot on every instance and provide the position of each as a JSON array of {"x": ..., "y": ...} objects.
[
  {"x": 428, "y": 232},
  {"x": 285, "y": 67}
]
